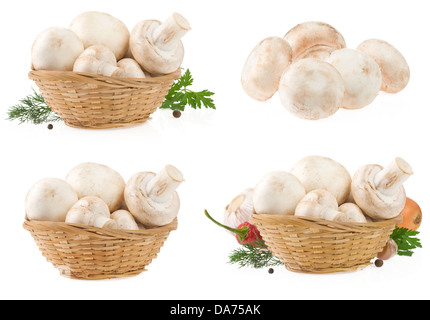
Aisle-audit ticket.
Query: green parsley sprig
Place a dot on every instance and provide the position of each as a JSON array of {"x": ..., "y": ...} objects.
[
  {"x": 406, "y": 241},
  {"x": 179, "y": 95}
]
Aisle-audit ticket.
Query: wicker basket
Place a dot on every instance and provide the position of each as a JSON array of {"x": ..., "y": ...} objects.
[
  {"x": 318, "y": 246},
  {"x": 95, "y": 101},
  {"x": 82, "y": 252}
]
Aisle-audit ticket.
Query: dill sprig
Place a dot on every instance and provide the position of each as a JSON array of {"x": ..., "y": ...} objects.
[
  {"x": 33, "y": 109},
  {"x": 254, "y": 255}
]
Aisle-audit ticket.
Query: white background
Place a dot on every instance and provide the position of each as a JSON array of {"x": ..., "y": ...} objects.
[{"x": 219, "y": 152}]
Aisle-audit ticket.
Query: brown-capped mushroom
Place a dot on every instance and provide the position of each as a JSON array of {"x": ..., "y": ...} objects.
[
  {"x": 379, "y": 191},
  {"x": 157, "y": 46},
  {"x": 152, "y": 198},
  {"x": 318, "y": 172},
  {"x": 361, "y": 75},
  {"x": 264, "y": 67},
  {"x": 311, "y": 89},
  {"x": 394, "y": 67},
  {"x": 314, "y": 39}
]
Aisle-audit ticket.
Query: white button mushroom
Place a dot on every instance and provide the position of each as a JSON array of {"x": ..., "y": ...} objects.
[
  {"x": 311, "y": 89},
  {"x": 129, "y": 68},
  {"x": 361, "y": 75},
  {"x": 317, "y": 172},
  {"x": 101, "y": 28},
  {"x": 49, "y": 199},
  {"x": 394, "y": 68},
  {"x": 56, "y": 49},
  {"x": 319, "y": 204},
  {"x": 314, "y": 39},
  {"x": 352, "y": 213},
  {"x": 152, "y": 198},
  {"x": 157, "y": 46},
  {"x": 91, "y": 211},
  {"x": 379, "y": 191},
  {"x": 96, "y": 59},
  {"x": 277, "y": 192},
  {"x": 93, "y": 179},
  {"x": 125, "y": 220},
  {"x": 264, "y": 67}
]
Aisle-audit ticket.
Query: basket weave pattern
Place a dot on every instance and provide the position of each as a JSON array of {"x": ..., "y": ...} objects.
[
  {"x": 318, "y": 246},
  {"x": 95, "y": 101},
  {"x": 83, "y": 252}
]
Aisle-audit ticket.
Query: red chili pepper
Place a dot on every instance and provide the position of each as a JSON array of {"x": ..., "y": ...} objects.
[{"x": 246, "y": 233}]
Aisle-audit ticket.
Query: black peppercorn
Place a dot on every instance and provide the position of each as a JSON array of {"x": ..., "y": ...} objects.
[
  {"x": 271, "y": 270},
  {"x": 50, "y": 126},
  {"x": 177, "y": 113},
  {"x": 379, "y": 263}
]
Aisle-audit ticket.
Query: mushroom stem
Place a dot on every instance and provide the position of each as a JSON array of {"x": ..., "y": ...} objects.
[
  {"x": 389, "y": 179},
  {"x": 100, "y": 221},
  {"x": 161, "y": 187},
  {"x": 107, "y": 69},
  {"x": 167, "y": 35}
]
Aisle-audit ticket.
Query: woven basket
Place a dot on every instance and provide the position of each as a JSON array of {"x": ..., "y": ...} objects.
[
  {"x": 319, "y": 246},
  {"x": 82, "y": 252},
  {"x": 95, "y": 101}
]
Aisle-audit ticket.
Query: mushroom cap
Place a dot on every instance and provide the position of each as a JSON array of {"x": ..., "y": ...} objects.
[
  {"x": 264, "y": 67},
  {"x": 56, "y": 48},
  {"x": 49, "y": 199},
  {"x": 351, "y": 213},
  {"x": 91, "y": 211},
  {"x": 125, "y": 220},
  {"x": 322, "y": 197},
  {"x": 143, "y": 208},
  {"x": 372, "y": 202},
  {"x": 311, "y": 89},
  {"x": 361, "y": 75},
  {"x": 318, "y": 203},
  {"x": 151, "y": 58},
  {"x": 94, "y": 27},
  {"x": 96, "y": 59},
  {"x": 93, "y": 179},
  {"x": 100, "y": 52},
  {"x": 314, "y": 39},
  {"x": 129, "y": 68},
  {"x": 394, "y": 67},
  {"x": 278, "y": 192},
  {"x": 317, "y": 172}
]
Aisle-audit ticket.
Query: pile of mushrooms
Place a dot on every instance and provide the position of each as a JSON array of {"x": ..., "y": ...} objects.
[
  {"x": 94, "y": 194},
  {"x": 315, "y": 73},
  {"x": 99, "y": 43},
  {"x": 322, "y": 188}
]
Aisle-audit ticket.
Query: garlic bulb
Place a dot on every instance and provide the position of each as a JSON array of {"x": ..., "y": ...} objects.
[{"x": 240, "y": 209}]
